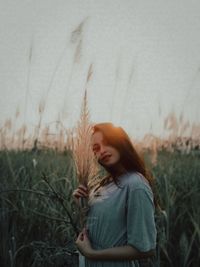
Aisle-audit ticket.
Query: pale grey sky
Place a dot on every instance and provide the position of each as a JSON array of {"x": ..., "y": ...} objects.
[{"x": 145, "y": 56}]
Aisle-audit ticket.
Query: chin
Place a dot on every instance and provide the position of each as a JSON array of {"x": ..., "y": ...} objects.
[{"x": 110, "y": 164}]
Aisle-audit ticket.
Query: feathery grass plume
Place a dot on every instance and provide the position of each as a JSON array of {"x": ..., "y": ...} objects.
[
  {"x": 152, "y": 143},
  {"x": 81, "y": 146},
  {"x": 70, "y": 139},
  {"x": 24, "y": 130},
  {"x": 41, "y": 109},
  {"x": 86, "y": 167},
  {"x": 90, "y": 72},
  {"x": 195, "y": 132},
  {"x": 182, "y": 136},
  {"x": 61, "y": 140},
  {"x": 76, "y": 34},
  {"x": 76, "y": 40},
  {"x": 8, "y": 124},
  {"x": 44, "y": 136}
]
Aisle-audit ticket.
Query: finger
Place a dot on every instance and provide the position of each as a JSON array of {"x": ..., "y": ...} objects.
[
  {"x": 86, "y": 234},
  {"x": 79, "y": 238},
  {"x": 84, "y": 188},
  {"x": 79, "y": 189},
  {"x": 80, "y": 193},
  {"x": 76, "y": 194},
  {"x": 83, "y": 192}
]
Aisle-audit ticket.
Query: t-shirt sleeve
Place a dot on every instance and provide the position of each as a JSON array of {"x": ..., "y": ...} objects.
[{"x": 141, "y": 228}]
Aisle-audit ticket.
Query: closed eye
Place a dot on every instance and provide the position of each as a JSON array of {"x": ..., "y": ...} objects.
[{"x": 95, "y": 148}]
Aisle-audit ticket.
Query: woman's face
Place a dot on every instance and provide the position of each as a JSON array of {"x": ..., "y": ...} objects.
[{"x": 104, "y": 153}]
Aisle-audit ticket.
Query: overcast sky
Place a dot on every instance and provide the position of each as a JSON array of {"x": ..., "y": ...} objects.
[{"x": 144, "y": 56}]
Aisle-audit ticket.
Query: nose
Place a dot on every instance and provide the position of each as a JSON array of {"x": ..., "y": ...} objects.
[{"x": 102, "y": 150}]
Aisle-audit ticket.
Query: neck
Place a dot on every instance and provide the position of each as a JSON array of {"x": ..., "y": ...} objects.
[{"x": 116, "y": 171}]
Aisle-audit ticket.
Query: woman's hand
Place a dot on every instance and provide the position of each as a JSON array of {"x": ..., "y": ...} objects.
[
  {"x": 83, "y": 244},
  {"x": 81, "y": 191},
  {"x": 125, "y": 252}
]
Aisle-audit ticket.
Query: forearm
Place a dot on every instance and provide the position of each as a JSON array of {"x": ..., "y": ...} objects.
[{"x": 119, "y": 253}]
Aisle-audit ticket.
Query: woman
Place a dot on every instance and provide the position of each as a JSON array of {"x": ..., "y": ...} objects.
[{"x": 120, "y": 229}]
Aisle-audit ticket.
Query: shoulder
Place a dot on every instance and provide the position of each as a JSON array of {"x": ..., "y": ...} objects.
[
  {"x": 137, "y": 188},
  {"x": 135, "y": 180}
]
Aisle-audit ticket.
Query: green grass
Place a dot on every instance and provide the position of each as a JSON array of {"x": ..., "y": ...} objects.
[
  {"x": 35, "y": 229},
  {"x": 178, "y": 179}
]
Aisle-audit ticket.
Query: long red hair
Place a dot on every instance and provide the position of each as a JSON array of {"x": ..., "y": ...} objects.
[{"x": 129, "y": 157}]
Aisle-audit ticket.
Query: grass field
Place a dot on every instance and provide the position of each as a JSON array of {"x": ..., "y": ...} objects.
[
  {"x": 35, "y": 227},
  {"x": 38, "y": 217}
]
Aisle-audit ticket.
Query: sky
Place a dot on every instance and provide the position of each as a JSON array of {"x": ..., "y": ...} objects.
[{"x": 143, "y": 57}]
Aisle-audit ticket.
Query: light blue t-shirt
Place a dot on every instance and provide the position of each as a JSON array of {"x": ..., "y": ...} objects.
[{"x": 121, "y": 216}]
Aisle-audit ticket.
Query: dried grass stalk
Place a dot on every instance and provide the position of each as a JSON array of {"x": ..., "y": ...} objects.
[
  {"x": 85, "y": 163},
  {"x": 81, "y": 147}
]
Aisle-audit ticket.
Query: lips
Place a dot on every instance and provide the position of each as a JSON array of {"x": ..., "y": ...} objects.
[{"x": 105, "y": 157}]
